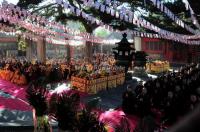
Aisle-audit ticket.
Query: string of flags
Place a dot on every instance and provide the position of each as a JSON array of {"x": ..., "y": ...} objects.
[
  {"x": 192, "y": 14},
  {"x": 33, "y": 22},
  {"x": 171, "y": 15},
  {"x": 84, "y": 15},
  {"x": 163, "y": 31},
  {"x": 92, "y": 19},
  {"x": 129, "y": 16},
  {"x": 42, "y": 31}
]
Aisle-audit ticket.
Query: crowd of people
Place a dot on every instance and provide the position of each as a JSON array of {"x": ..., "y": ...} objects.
[
  {"x": 100, "y": 65},
  {"x": 173, "y": 95},
  {"x": 22, "y": 72}
]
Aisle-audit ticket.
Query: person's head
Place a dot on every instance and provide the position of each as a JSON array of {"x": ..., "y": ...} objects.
[
  {"x": 140, "y": 83},
  {"x": 165, "y": 79},
  {"x": 177, "y": 88},
  {"x": 144, "y": 91},
  {"x": 198, "y": 91},
  {"x": 170, "y": 94},
  {"x": 129, "y": 88},
  {"x": 193, "y": 98},
  {"x": 157, "y": 84}
]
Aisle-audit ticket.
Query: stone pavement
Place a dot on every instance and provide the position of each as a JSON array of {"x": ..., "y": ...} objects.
[
  {"x": 15, "y": 117},
  {"x": 110, "y": 99}
]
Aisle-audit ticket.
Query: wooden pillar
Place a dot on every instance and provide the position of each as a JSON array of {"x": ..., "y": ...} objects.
[
  {"x": 88, "y": 51},
  {"x": 29, "y": 49},
  {"x": 68, "y": 49},
  {"x": 41, "y": 50},
  {"x": 138, "y": 43}
]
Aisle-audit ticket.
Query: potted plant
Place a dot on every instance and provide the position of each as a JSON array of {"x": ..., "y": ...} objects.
[
  {"x": 36, "y": 95},
  {"x": 116, "y": 121},
  {"x": 88, "y": 122},
  {"x": 63, "y": 107}
]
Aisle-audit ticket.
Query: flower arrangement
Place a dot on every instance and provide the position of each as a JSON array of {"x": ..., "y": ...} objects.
[
  {"x": 88, "y": 122},
  {"x": 115, "y": 121},
  {"x": 36, "y": 95},
  {"x": 64, "y": 107},
  {"x": 158, "y": 66}
]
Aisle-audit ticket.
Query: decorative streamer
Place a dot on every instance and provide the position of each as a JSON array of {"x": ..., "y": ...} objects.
[
  {"x": 160, "y": 6},
  {"x": 164, "y": 33},
  {"x": 22, "y": 21},
  {"x": 17, "y": 20}
]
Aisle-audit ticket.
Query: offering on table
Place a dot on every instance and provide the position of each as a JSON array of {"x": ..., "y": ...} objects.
[{"x": 157, "y": 66}]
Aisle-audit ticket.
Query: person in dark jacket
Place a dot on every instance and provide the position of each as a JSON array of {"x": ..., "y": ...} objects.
[{"x": 129, "y": 100}]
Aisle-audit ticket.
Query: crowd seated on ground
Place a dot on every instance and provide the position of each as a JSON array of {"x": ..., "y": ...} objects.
[
  {"x": 21, "y": 72},
  {"x": 172, "y": 95},
  {"x": 100, "y": 65}
]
